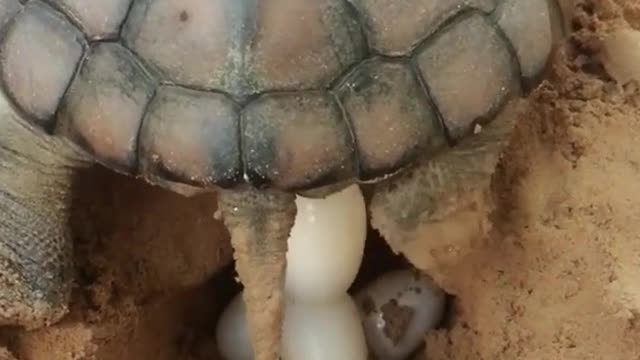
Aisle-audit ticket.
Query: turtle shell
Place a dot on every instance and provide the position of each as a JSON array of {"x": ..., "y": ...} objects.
[{"x": 290, "y": 94}]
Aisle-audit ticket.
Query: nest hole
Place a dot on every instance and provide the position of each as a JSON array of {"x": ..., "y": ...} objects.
[{"x": 378, "y": 259}]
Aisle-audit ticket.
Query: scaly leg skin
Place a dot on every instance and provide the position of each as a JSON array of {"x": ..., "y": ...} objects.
[
  {"x": 433, "y": 213},
  {"x": 260, "y": 222},
  {"x": 35, "y": 249}
]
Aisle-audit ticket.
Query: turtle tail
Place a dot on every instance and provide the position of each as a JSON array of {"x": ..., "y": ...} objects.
[{"x": 260, "y": 222}]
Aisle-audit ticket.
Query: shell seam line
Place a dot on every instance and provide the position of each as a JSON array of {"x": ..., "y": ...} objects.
[{"x": 346, "y": 118}]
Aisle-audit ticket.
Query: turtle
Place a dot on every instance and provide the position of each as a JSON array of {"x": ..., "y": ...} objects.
[{"x": 258, "y": 101}]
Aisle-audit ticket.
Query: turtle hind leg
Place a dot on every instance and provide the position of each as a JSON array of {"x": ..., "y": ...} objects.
[
  {"x": 36, "y": 270},
  {"x": 434, "y": 212},
  {"x": 260, "y": 222}
]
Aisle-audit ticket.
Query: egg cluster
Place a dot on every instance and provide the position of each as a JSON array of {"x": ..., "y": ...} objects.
[{"x": 322, "y": 321}]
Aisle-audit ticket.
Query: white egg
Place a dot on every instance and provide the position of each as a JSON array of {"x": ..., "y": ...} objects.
[
  {"x": 310, "y": 332},
  {"x": 326, "y": 246},
  {"x": 232, "y": 334},
  {"x": 323, "y": 331},
  {"x": 397, "y": 310}
]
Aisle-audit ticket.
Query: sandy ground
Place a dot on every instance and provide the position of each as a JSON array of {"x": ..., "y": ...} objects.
[{"x": 556, "y": 279}]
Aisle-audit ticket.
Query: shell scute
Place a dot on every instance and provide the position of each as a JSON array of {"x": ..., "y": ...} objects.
[
  {"x": 8, "y": 9},
  {"x": 397, "y": 27},
  {"x": 531, "y": 27},
  {"x": 98, "y": 19},
  {"x": 188, "y": 42},
  {"x": 105, "y": 119},
  {"x": 302, "y": 44},
  {"x": 191, "y": 137},
  {"x": 469, "y": 71},
  {"x": 390, "y": 116},
  {"x": 38, "y": 57},
  {"x": 298, "y": 140},
  {"x": 246, "y": 47}
]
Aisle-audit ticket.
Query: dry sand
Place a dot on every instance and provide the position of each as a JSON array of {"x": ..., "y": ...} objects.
[{"x": 557, "y": 278}]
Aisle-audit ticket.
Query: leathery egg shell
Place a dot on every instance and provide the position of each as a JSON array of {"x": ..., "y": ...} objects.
[
  {"x": 310, "y": 331},
  {"x": 323, "y": 331},
  {"x": 232, "y": 333},
  {"x": 397, "y": 310},
  {"x": 326, "y": 246}
]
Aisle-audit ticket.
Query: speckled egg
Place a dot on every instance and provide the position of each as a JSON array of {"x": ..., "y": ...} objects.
[{"x": 397, "y": 310}]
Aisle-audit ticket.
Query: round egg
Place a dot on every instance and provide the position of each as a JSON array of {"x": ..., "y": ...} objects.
[
  {"x": 310, "y": 331},
  {"x": 326, "y": 246},
  {"x": 323, "y": 331},
  {"x": 232, "y": 333},
  {"x": 397, "y": 310}
]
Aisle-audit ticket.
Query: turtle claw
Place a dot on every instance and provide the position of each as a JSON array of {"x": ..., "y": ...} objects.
[
  {"x": 259, "y": 222},
  {"x": 436, "y": 210}
]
